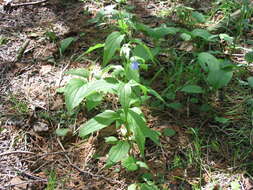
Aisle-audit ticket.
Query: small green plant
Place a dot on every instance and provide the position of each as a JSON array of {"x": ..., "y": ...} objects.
[{"x": 52, "y": 181}]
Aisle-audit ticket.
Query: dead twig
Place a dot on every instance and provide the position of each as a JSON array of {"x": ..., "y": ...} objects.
[
  {"x": 86, "y": 172},
  {"x": 10, "y": 6},
  {"x": 16, "y": 152}
]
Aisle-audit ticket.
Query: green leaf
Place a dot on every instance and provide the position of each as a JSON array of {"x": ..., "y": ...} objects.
[
  {"x": 235, "y": 185},
  {"x": 162, "y": 31},
  {"x": 75, "y": 93},
  {"x": 112, "y": 44},
  {"x": 79, "y": 72},
  {"x": 132, "y": 74},
  {"x": 208, "y": 62},
  {"x": 199, "y": 17},
  {"x": 92, "y": 48},
  {"x": 111, "y": 140},
  {"x": 98, "y": 122},
  {"x": 142, "y": 164},
  {"x": 62, "y": 132},
  {"x": 222, "y": 120},
  {"x": 72, "y": 91},
  {"x": 204, "y": 34},
  {"x": 250, "y": 81},
  {"x": 140, "y": 129},
  {"x": 140, "y": 51},
  {"x": 219, "y": 78},
  {"x": 130, "y": 164},
  {"x": 93, "y": 100},
  {"x": 169, "y": 132},
  {"x": 175, "y": 105},
  {"x": 249, "y": 57},
  {"x": 64, "y": 44},
  {"x": 185, "y": 36},
  {"x": 125, "y": 92},
  {"x": 118, "y": 152},
  {"x": 226, "y": 38},
  {"x": 145, "y": 186},
  {"x": 192, "y": 89}
]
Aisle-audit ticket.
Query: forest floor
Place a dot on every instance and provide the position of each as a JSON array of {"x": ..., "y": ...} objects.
[{"x": 202, "y": 154}]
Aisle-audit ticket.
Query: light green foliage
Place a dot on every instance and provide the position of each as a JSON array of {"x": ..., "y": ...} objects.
[
  {"x": 194, "y": 89},
  {"x": 65, "y": 44},
  {"x": 112, "y": 44},
  {"x": 52, "y": 181},
  {"x": 249, "y": 57},
  {"x": 218, "y": 76}
]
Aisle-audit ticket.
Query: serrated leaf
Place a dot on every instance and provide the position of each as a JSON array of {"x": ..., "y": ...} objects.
[
  {"x": 208, "y": 62},
  {"x": 118, "y": 152},
  {"x": 219, "y": 78},
  {"x": 62, "y": 132},
  {"x": 98, "y": 122},
  {"x": 192, "y": 89},
  {"x": 130, "y": 164},
  {"x": 64, "y": 44},
  {"x": 249, "y": 57},
  {"x": 112, "y": 44},
  {"x": 250, "y": 81},
  {"x": 79, "y": 72}
]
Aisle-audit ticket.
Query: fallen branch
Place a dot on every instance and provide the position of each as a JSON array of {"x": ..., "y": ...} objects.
[
  {"x": 16, "y": 152},
  {"x": 10, "y": 6}
]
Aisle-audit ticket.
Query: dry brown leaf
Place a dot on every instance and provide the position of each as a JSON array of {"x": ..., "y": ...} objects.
[
  {"x": 18, "y": 183},
  {"x": 45, "y": 69}
]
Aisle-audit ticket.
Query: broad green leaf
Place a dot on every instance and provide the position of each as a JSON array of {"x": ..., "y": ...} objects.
[
  {"x": 142, "y": 164},
  {"x": 71, "y": 92},
  {"x": 194, "y": 89},
  {"x": 74, "y": 94},
  {"x": 140, "y": 130},
  {"x": 219, "y": 78},
  {"x": 92, "y": 48},
  {"x": 125, "y": 92},
  {"x": 249, "y": 57},
  {"x": 162, "y": 31},
  {"x": 93, "y": 100},
  {"x": 112, "y": 44},
  {"x": 62, "y": 132},
  {"x": 130, "y": 164},
  {"x": 169, "y": 132},
  {"x": 175, "y": 105},
  {"x": 145, "y": 186},
  {"x": 235, "y": 185},
  {"x": 64, "y": 44},
  {"x": 202, "y": 33},
  {"x": 208, "y": 62},
  {"x": 98, "y": 122},
  {"x": 140, "y": 51},
  {"x": 79, "y": 72},
  {"x": 250, "y": 81},
  {"x": 111, "y": 140},
  {"x": 199, "y": 17},
  {"x": 118, "y": 152}
]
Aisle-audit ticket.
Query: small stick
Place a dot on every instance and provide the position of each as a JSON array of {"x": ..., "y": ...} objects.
[
  {"x": 16, "y": 152},
  {"x": 22, "y": 50},
  {"x": 10, "y": 6}
]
